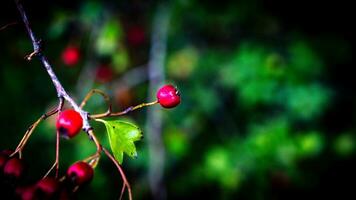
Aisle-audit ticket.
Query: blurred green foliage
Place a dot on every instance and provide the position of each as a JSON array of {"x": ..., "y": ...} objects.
[{"x": 265, "y": 103}]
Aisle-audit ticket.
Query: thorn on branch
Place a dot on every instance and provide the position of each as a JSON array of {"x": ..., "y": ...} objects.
[
  {"x": 37, "y": 51},
  {"x": 31, "y": 55}
]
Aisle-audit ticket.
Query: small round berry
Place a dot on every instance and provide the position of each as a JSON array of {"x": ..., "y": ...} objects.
[
  {"x": 70, "y": 55},
  {"x": 14, "y": 167},
  {"x": 69, "y": 123},
  {"x": 48, "y": 187},
  {"x": 80, "y": 173},
  {"x": 4, "y": 156},
  {"x": 168, "y": 96},
  {"x": 26, "y": 192},
  {"x": 3, "y": 160}
]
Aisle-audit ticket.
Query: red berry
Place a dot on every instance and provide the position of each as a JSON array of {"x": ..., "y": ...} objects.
[
  {"x": 26, "y": 192},
  {"x": 69, "y": 123},
  {"x": 70, "y": 56},
  {"x": 14, "y": 168},
  {"x": 80, "y": 173},
  {"x": 104, "y": 74},
  {"x": 48, "y": 186},
  {"x": 168, "y": 96},
  {"x": 4, "y": 156},
  {"x": 3, "y": 159}
]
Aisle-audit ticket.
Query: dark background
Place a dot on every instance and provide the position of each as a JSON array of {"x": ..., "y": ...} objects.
[{"x": 216, "y": 121}]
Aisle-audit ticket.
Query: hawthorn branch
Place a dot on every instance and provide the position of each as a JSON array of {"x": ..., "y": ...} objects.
[
  {"x": 37, "y": 51},
  {"x": 63, "y": 95}
]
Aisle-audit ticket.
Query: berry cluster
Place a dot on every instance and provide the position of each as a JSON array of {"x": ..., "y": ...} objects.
[
  {"x": 13, "y": 184},
  {"x": 69, "y": 124}
]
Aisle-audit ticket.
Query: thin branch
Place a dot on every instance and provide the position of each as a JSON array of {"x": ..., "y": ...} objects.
[
  {"x": 30, "y": 130},
  {"x": 96, "y": 91},
  {"x": 57, "y": 153},
  {"x": 122, "y": 191},
  {"x": 122, "y": 173},
  {"x": 94, "y": 159},
  {"x": 127, "y": 110},
  {"x": 60, "y": 106},
  {"x": 56, "y": 162},
  {"x": 7, "y": 25},
  {"x": 37, "y": 51},
  {"x": 62, "y": 94}
]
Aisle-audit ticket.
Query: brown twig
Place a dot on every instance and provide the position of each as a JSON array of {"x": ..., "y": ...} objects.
[
  {"x": 122, "y": 191},
  {"x": 127, "y": 110},
  {"x": 56, "y": 162},
  {"x": 96, "y": 91},
  {"x": 123, "y": 176},
  {"x": 30, "y": 130},
  {"x": 37, "y": 51},
  {"x": 7, "y": 25},
  {"x": 63, "y": 95},
  {"x": 94, "y": 159}
]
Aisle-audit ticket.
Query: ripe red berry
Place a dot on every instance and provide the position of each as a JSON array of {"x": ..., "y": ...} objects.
[
  {"x": 26, "y": 192},
  {"x": 70, "y": 55},
  {"x": 48, "y": 187},
  {"x": 69, "y": 123},
  {"x": 168, "y": 96},
  {"x": 80, "y": 173},
  {"x": 4, "y": 156},
  {"x": 3, "y": 159},
  {"x": 14, "y": 168}
]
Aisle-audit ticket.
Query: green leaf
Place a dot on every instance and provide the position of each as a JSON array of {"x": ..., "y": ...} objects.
[{"x": 122, "y": 136}]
